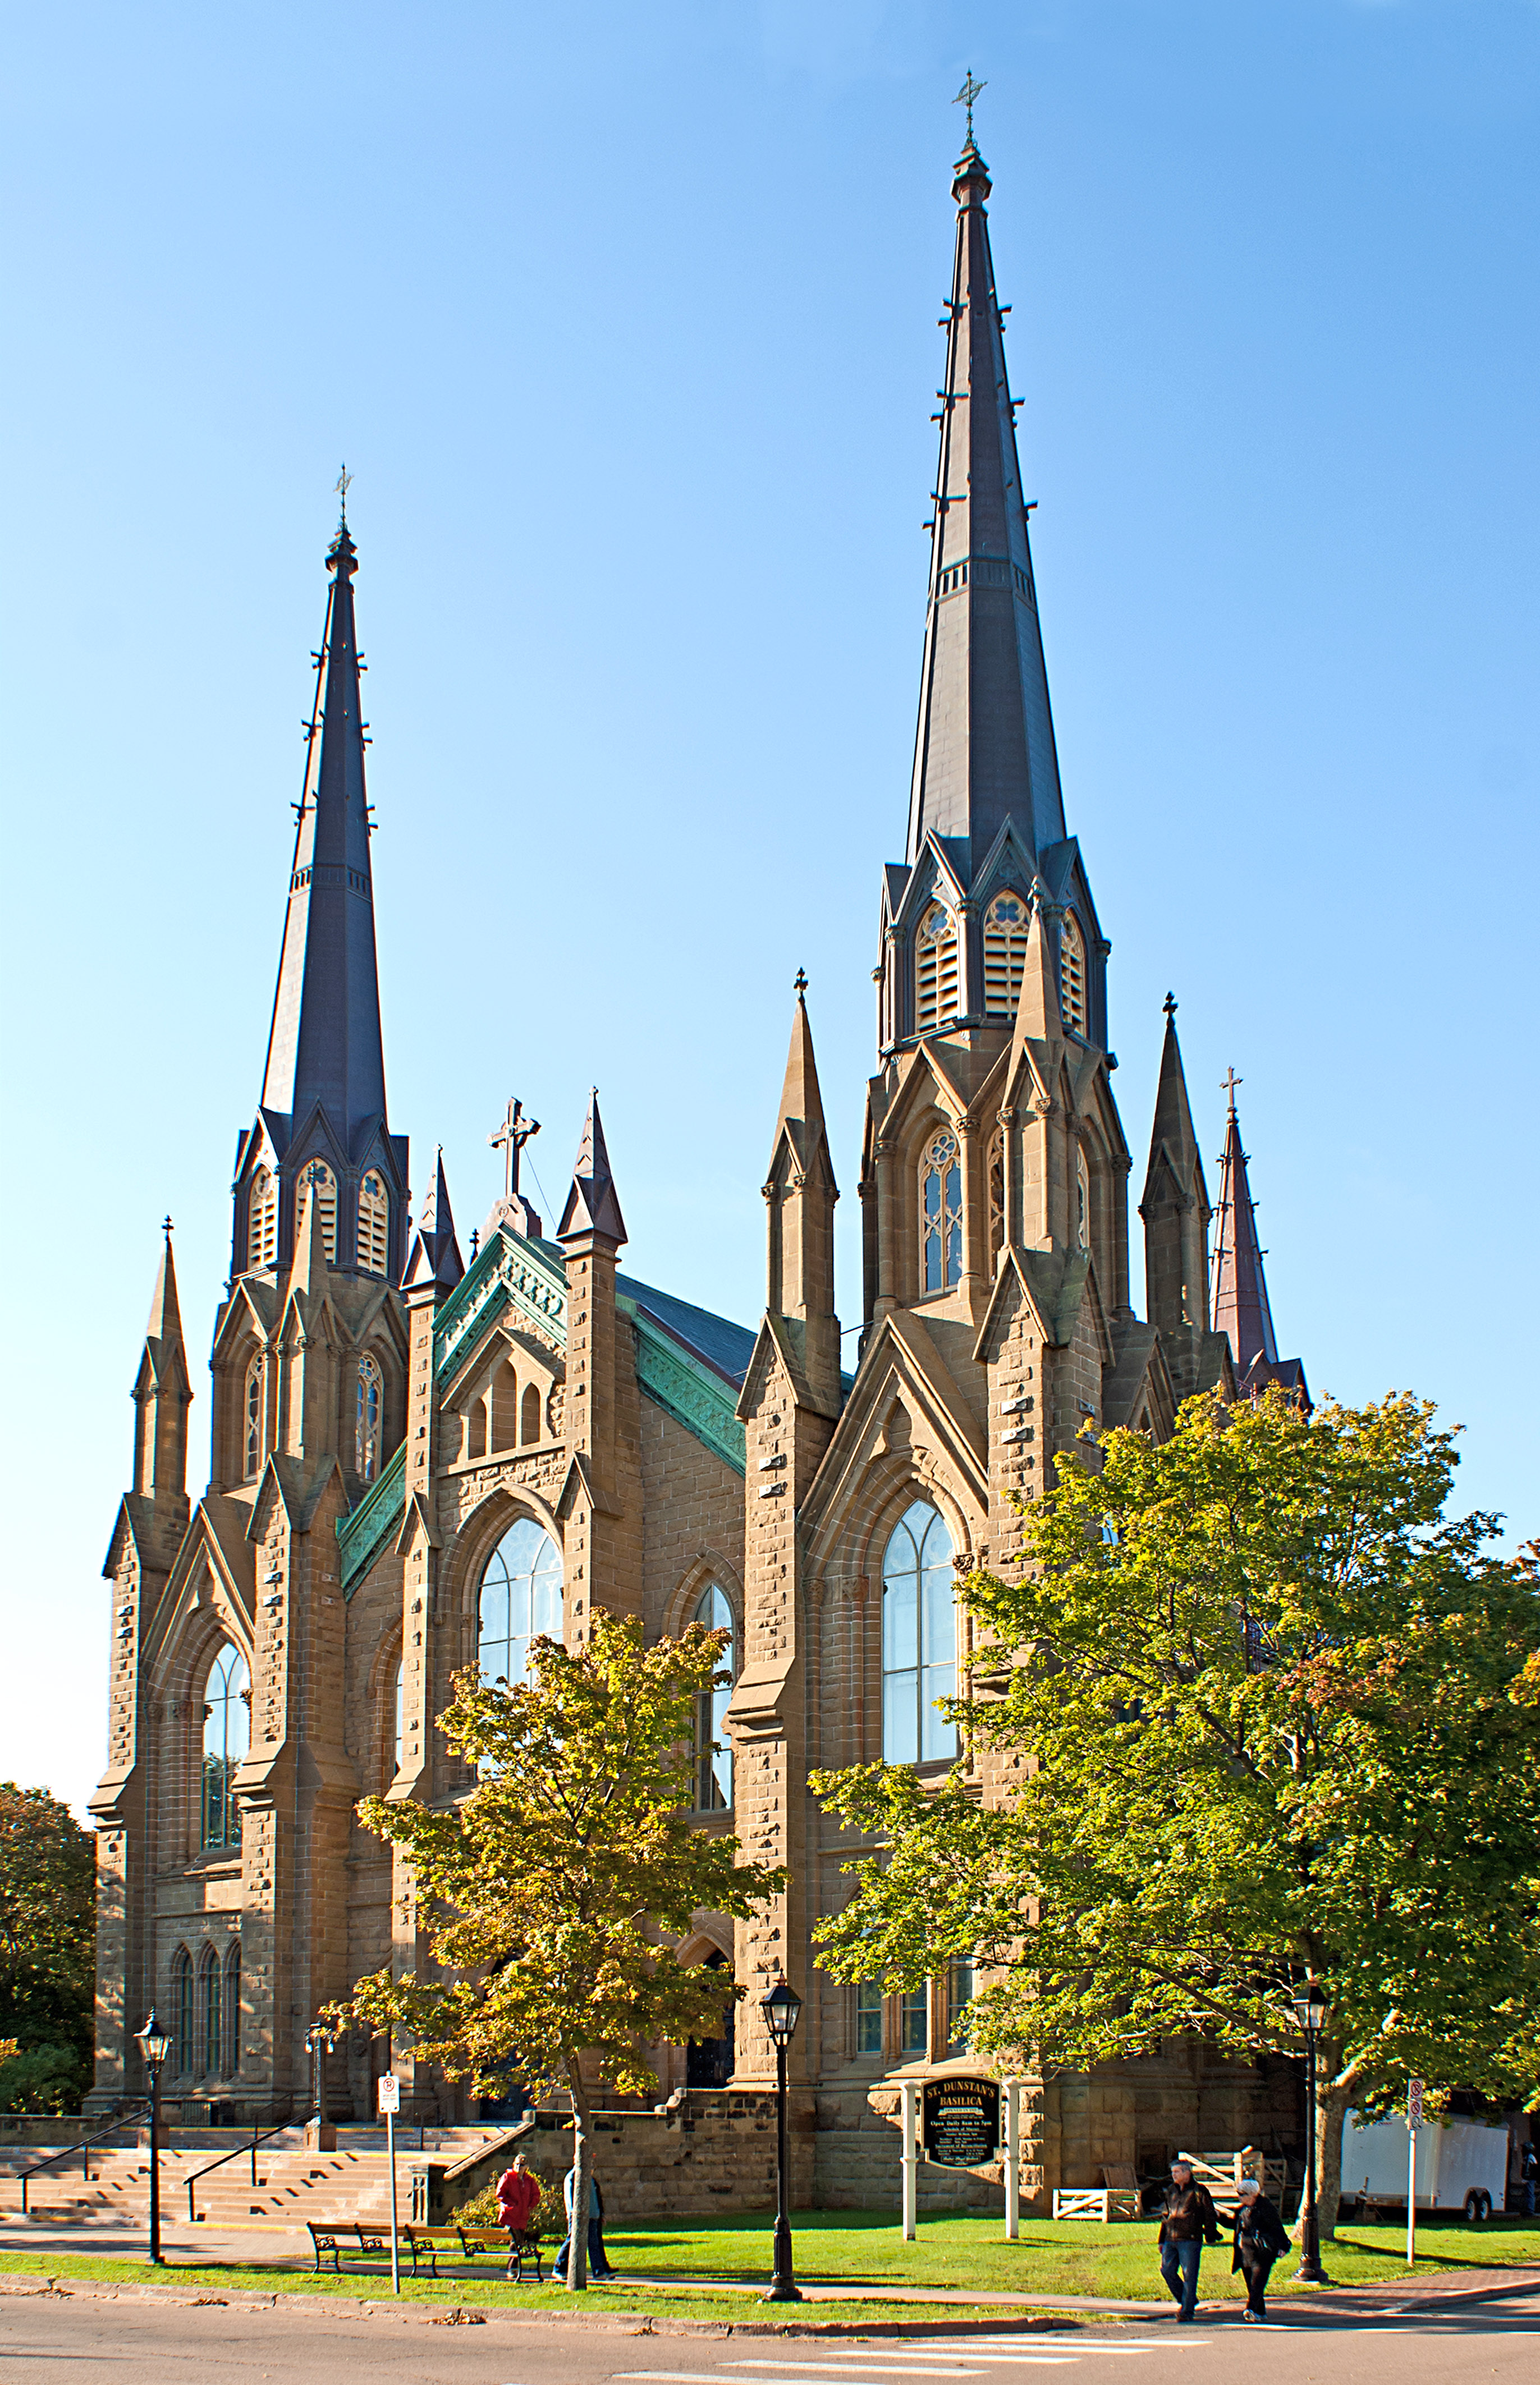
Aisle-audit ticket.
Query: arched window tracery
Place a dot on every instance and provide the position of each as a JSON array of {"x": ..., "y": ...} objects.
[
  {"x": 920, "y": 1638},
  {"x": 713, "y": 1756},
  {"x": 374, "y": 1224},
  {"x": 367, "y": 1406},
  {"x": 226, "y": 1738},
  {"x": 211, "y": 2041},
  {"x": 941, "y": 1211},
  {"x": 1082, "y": 1200},
  {"x": 1071, "y": 974},
  {"x": 521, "y": 1599},
  {"x": 251, "y": 1423},
  {"x": 1007, "y": 923},
  {"x": 935, "y": 969},
  {"x": 262, "y": 1220},
  {"x": 316, "y": 1183}
]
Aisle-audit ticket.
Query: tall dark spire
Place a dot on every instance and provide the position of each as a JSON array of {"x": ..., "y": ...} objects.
[
  {"x": 1175, "y": 1210},
  {"x": 325, "y": 1047},
  {"x": 984, "y": 750},
  {"x": 1240, "y": 1306}
]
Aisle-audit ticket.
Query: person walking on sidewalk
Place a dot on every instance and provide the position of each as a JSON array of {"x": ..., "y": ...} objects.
[
  {"x": 518, "y": 2201},
  {"x": 1188, "y": 2221},
  {"x": 1260, "y": 2238}
]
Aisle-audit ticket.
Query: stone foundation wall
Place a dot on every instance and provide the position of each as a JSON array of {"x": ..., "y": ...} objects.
[{"x": 713, "y": 2151}]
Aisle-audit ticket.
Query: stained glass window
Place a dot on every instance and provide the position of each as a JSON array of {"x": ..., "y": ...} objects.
[
  {"x": 226, "y": 1738},
  {"x": 920, "y": 1639},
  {"x": 366, "y": 1418},
  {"x": 521, "y": 1599}
]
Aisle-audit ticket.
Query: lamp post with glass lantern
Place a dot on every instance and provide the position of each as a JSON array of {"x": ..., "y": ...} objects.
[
  {"x": 1310, "y": 2010},
  {"x": 781, "y": 2009},
  {"x": 154, "y": 2045},
  {"x": 320, "y": 2040}
]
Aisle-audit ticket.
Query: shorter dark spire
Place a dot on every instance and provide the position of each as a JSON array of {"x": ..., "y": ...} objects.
[
  {"x": 1242, "y": 1310},
  {"x": 593, "y": 1205},
  {"x": 435, "y": 1256}
]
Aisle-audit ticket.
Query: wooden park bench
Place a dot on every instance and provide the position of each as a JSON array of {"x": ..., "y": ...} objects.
[
  {"x": 520, "y": 2244},
  {"x": 350, "y": 2237},
  {"x": 425, "y": 2244}
]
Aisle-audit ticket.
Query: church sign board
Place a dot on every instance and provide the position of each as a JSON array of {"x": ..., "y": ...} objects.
[{"x": 961, "y": 2122}]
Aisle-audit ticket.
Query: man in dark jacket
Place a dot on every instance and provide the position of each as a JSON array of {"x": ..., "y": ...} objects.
[
  {"x": 1188, "y": 2221},
  {"x": 1260, "y": 2238}
]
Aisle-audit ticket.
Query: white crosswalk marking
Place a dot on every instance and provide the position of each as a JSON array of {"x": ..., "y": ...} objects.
[{"x": 872, "y": 2363}]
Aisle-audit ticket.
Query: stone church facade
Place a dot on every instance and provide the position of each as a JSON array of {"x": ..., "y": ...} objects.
[{"x": 418, "y": 1462}]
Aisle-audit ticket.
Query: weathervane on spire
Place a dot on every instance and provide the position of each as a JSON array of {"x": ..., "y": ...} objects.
[
  {"x": 345, "y": 482},
  {"x": 966, "y": 97}
]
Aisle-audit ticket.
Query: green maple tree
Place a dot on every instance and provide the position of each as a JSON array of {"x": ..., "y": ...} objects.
[
  {"x": 47, "y": 1951},
  {"x": 1268, "y": 1715},
  {"x": 553, "y": 1888}
]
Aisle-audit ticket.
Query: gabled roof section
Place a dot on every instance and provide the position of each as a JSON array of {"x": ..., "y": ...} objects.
[
  {"x": 726, "y": 1348},
  {"x": 984, "y": 746},
  {"x": 324, "y": 1046},
  {"x": 695, "y": 1394},
  {"x": 376, "y": 1519}
]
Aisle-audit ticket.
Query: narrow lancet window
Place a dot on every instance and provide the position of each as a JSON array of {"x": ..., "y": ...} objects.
[
  {"x": 262, "y": 1220},
  {"x": 231, "y": 2062},
  {"x": 935, "y": 969},
  {"x": 1083, "y": 1201},
  {"x": 1006, "y": 924},
  {"x": 318, "y": 1183},
  {"x": 226, "y": 1737},
  {"x": 183, "y": 2050},
  {"x": 366, "y": 1418},
  {"x": 1071, "y": 974},
  {"x": 252, "y": 1423},
  {"x": 211, "y": 2051},
  {"x": 713, "y": 1757},
  {"x": 374, "y": 1221},
  {"x": 941, "y": 1213},
  {"x": 920, "y": 1639}
]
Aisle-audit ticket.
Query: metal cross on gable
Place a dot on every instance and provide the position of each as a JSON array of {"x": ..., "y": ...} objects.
[
  {"x": 967, "y": 96},
  {"x": 510, "y": 1139}
]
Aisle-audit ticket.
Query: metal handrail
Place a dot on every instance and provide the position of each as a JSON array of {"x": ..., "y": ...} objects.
[
  {"x": 255, "y": 2140},
  {"x": 82, "y": 2147}
]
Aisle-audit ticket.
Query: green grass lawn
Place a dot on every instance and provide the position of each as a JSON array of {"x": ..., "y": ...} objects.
[{"x": 862, "y": 2249}]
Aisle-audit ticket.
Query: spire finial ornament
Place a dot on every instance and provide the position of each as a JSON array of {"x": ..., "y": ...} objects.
[
  {"x": 1168, "y": 1006},
  {"x": 167, "y": 1227},
  {"x": 1228, "y": 1083},
  {"x": 966, "y": 97},
  {"x": 799, "y": 983},
  {"x": 510, "y": 1139},
  {"x": 344, "y": 478}
]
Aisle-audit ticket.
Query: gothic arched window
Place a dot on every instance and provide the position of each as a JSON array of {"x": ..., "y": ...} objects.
[
  {"x": 316, "y": 1183},
  {"x": 1083, "y": 1201},
  {"x": 400, "y": 1739},
  {"x": 521, "y": 1599},
  {"x": 941, "y": 1211},
  {"x": 935, "y": 969},
  {"x": 251, "y": 1423},
  {"x": 374, "y": 1223},
  {"x": 182, "y": 2022},
  {"x": 1006, "y": 925},
  {"x": 997, "y": 1195},
  {"x": 920, "y": 1639},
  {"x": 713, "y": 1757},
  {"x": 366, "y": 1428},
  {"x": 262, "y": 1220},
  {"x": 211, "y": 2043},
  {"x": 1071, "y": 974},
  {"x": 231, "y": 2061},
  {"x": 226, "y": 1737}
]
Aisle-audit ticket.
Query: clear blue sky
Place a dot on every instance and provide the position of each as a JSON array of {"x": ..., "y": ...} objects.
[{"x": 624, "y": 318}]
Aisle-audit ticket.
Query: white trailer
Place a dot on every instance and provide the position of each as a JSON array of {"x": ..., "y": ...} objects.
[{"x": 1461, "y": 2165}]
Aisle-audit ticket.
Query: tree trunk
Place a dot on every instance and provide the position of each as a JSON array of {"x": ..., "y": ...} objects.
[
  {"x": 577, "y": 2242},
  {"x": 1330, "y": 2103}
]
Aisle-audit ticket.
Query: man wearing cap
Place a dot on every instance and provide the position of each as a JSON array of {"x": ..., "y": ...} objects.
[
  {"x": 1188, "y": 2221},
  {"x": 1260, "y": 2236}
]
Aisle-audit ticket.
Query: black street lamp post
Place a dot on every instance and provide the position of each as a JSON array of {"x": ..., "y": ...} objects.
[
  {"x": 320, "y": 2040},
  {"x": 1310, "y": 2010},
  {"x": 155, "y": 2045},
  {"x": 781, "y": 2009}
]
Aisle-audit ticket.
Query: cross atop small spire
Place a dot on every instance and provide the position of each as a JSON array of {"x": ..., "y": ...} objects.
[
  {"x": 1168, "y": 1005},
  {"x": 345, "y": 482},
  {"x": 966, "y": 97},
  {"x": 799, "y": 983},
  {"x": 510, "y": 1139},
  {"x": 1228, "y": 1083},
  {"x": 167, "y": 1227}
]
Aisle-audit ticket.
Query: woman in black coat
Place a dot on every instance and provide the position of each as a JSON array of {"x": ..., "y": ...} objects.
[{"x": 1260, "y": 2236}]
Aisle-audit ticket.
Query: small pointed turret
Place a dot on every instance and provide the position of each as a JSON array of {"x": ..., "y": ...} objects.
[
  {"x": 1175, "y": 1210},
  {"x": 162, "y": 1392},
  {"x": 435, "y": 1253},
  {"x": 984, "y": 750},
  {"x": 1242, "y": 1310},
  {"x": 593, "y": 1205},
  {"x": 800, "y": 1192},
  {"x": 1039, "y": 1009}
]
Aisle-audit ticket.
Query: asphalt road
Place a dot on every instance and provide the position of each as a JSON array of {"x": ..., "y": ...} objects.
[{"x": 71, "y": 2340}]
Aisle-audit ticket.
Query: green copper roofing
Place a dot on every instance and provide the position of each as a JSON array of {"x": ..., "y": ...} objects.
[
  {"x": 362, "y": 1535},
  {"x": 692, "y": 1393}
]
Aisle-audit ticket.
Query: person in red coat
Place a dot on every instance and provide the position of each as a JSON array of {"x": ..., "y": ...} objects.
[{"x": 518, "y": 2200}]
